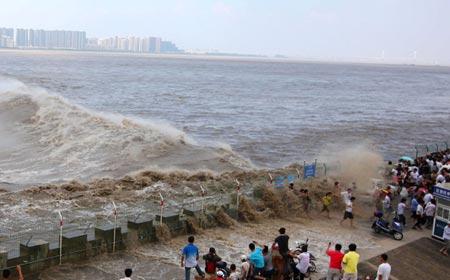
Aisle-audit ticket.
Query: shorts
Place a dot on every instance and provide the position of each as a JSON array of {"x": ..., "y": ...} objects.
[
  {"x": 325, "y": 208},
  {"x": 348, "y": 215},
  {"x": 350, "y": 276}
]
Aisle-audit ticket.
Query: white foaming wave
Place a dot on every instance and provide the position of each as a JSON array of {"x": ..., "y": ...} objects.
[{"x": 57, "y": 140}]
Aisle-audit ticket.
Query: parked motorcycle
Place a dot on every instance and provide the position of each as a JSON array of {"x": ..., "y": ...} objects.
[{"x": 382, "y": 226}]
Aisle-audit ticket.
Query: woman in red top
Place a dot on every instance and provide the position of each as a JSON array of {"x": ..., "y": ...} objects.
[{"x": 336, "y": 256}]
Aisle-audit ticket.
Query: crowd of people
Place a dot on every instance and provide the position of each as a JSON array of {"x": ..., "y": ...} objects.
[
  {"x": 277, "y": 261},
  {"x": 414, "y": 181}
]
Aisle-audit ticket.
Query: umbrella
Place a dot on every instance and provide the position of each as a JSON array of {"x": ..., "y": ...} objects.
[{"x": 406, "y": 158}]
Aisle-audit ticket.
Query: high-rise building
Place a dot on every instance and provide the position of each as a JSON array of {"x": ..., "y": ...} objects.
[
  {"x": 22, "y": 38},
  {"x": 155, "y": 45},
  {"x": 6, "y": 37}
]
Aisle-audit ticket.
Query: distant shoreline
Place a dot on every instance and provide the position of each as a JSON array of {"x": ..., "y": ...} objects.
[{"x": 219, "y": 57}]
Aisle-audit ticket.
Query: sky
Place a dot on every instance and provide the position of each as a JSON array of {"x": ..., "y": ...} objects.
[{"x": 397, "y": 30}]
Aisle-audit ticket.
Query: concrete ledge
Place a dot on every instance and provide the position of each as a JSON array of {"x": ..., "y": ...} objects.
[
  {"x": 74, "y": 245},
  {"x": 32, "y": 252},
  {"x": 105, "y": 233},
  {"x": 141, "y": 230}
]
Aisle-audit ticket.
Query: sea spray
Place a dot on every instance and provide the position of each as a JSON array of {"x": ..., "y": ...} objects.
[{"x": 353, "y": 163}]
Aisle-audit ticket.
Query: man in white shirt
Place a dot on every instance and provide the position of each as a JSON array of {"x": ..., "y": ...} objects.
[
  {"x": 430, "y": 208},
  {"x": 128, "y": 273},
  {"x": 245, "y": 267},
  {"x": 348, "y": 214},
  {"x": 401, "y": 211},
  {"x": 427, "y": 198},
  {"x": 387, "y": 209},
  {"x": 446, "y": 237},
  {"x": 419, "y": 216},
  {"x": 303, "y": 262},
  {"x": 384, "y": 269}
]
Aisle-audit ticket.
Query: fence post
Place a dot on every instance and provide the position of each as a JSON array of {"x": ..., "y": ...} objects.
[
  {"x": 304, "y": 166},
  {"x": 61, "y": 223},
  {"x": 161, "y": 204},
  {"x": 417, "y": 151},
  {"x": 446, "y": 145},
  {"x": 203, "y": 198},
  {"x": 238, "y": 188},
  {"x": 325, "y": 169},
  {"x": 298, "y": 173},
  {"x": 437, "y": 148},
  {"x": 270, "y": 178},
  {"x": 115, "y": 226},
  {"x": 315, "y": 167}
]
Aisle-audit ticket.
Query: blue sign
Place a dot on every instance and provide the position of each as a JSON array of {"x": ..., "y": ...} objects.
[
  {"x": 279, "y": 181},
  {"x": 439, "y": 226},
  {"x": 309, "y": 171},
  {"x": 441, "y": 192},
  {"x": 291, "y": 178}
]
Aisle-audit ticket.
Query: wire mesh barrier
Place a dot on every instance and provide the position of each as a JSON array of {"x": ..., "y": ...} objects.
[
  {"x": 70, "y": 239},
  {"x": 424, "y": 149}
]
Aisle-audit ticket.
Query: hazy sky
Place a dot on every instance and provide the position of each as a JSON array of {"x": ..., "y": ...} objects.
[{"x": 326, "y": 29}]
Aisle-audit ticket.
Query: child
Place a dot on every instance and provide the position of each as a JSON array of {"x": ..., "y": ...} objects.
[{"x": 326, "y": 202}]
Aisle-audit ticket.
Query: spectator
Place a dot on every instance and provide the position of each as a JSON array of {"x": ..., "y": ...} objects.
[
  {"x": 384, "y": 269},
  {"x": 189, "y": 259},
  {"x": 350, "y": 262},
  {"x": 256, "y": 258},
  {"x": 7, "y": 273},
  {"x": 211, "y": 260},
  {"x": 348, "y": 214},
  {"x": 430, "y": 208},
  {"x": 446, "y": 237},
  {"x": 414, "y": 204},
  {"x": 419, "y": 216},
  {"x": 282, "y": 241},
  {"x": 346, "y": 195},
  {"x": 246, "y": 268},
  {"x": 335, "y": 266},
  {"x": 268, "y": 266},
  {"x": 234, "y": 275},
  {"x": 303, "y": 262},
  {"x": 326, "y": 202},
  {"x": 401, "y": 211},
  {"x": 387, "y": 209},
  {"x": 128, "y": 273}
]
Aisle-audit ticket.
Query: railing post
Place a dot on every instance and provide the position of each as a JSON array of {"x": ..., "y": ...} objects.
[
  {"x": 161, "y": 204},
  {"x": 61, "y": 223},
  {"x": 115, "y": 226},
  {"x": 238, "y": 188},
  {"x": 203, "y": 198},
  {"x": 298, "y": 173}
]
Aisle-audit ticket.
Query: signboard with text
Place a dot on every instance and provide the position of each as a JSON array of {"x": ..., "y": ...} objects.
[{"x": 309, "y": 171}]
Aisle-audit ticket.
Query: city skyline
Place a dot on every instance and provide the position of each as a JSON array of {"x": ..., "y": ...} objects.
[
  {"x": 409, "y": 31},
  {"x": 26, "y": 38}
]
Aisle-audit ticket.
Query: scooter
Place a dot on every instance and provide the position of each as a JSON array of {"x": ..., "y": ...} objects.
[{"x": 382, "y": 226}]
